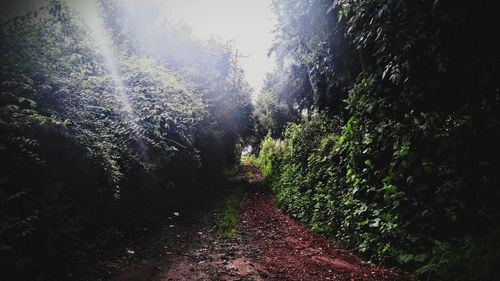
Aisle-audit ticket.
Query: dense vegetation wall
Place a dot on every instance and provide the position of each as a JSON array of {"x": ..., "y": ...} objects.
[
  {"x": 396, "y": 151},
  {"x": 93, "y": 145}
]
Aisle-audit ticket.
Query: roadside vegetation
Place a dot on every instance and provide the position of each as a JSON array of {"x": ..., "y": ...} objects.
[
  {"x": 381, "y": 127},
  {"x": 228, "y": 220},
  {"x": 96, "y": 141}
]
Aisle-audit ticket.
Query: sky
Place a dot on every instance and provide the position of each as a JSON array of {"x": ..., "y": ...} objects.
[{"x": 247, "y": 23}]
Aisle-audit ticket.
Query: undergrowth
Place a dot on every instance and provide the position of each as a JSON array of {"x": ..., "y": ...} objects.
[
  {"x": 228, "y": 219},
  {"x": 391, "y": 196}
]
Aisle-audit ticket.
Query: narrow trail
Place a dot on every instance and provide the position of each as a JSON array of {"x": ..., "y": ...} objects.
[{"x": 269, "y": 246}]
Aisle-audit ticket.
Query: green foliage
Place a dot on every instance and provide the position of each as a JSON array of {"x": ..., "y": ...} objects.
[
  {"x": 274, "y": 107},
  {"x": 250, "y": 160},
  {"x": 268, "y": 156},
  {"x": 400, "y": 162},
  {"x": 470, "y": 258},
  {"x": 340, "y": 185},
  {"x": 228, "y": 218},
  {"x": 89, "y": 150}
]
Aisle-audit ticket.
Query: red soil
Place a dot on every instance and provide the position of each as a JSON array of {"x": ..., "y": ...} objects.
[
  {"x": 270, "y": 246},
  {"x": 291, "y": 252}
]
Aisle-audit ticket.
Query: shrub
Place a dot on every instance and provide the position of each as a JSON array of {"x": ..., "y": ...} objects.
[{"x": 368, "y": 185}]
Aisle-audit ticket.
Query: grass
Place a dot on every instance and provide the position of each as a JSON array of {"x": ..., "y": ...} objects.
[
  {"x": 228, "y": 219},
  {"x": 249, "y": 160}
]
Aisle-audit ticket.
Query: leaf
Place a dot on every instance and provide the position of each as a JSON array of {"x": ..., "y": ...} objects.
[
  {"x": 10, "y": 83},
  {"x": 375, "y": 223},
  {"x": 405, "y": 258}
]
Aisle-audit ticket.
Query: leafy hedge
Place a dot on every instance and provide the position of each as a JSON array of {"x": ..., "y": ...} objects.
[
  {"x": 86, "y": 158},
  {"x": 391, "y": 195},
  {"x": 396, "y": 149}
]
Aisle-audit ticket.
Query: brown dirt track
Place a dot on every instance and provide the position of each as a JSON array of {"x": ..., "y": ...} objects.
[{"x": 270, "y": 246}]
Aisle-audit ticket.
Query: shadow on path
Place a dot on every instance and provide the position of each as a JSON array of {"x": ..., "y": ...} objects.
[{"x": 269, "y": 246}]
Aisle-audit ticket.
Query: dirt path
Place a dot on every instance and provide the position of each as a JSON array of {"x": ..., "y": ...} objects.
[{"x": 270, "y": 246}]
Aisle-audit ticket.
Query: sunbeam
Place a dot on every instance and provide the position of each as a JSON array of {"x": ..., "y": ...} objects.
[
  {"x": 89, "y": 13},
  {"x": 157, "y": 139}
]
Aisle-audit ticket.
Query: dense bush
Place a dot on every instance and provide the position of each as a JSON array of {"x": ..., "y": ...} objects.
[
  {"x": 365, "y": 189},
  {"x": 396, "y": 150},
  {"x": 90, "y": 148}
]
